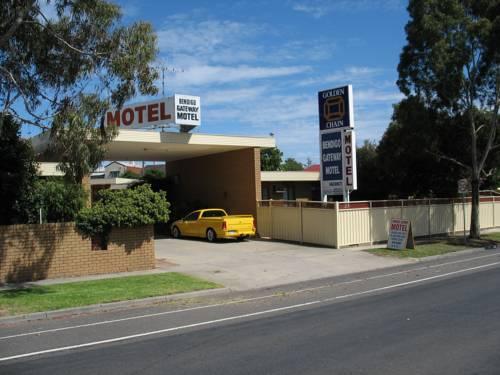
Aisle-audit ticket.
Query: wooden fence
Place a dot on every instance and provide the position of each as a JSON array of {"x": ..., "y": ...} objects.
[{"x": 339, "y": 224}]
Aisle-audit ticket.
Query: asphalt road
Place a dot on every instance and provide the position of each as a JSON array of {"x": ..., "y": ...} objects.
[{"x": 441, "y": 317}]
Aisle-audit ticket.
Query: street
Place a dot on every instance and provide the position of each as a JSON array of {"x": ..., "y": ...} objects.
[{"x": 436, "y": 317}]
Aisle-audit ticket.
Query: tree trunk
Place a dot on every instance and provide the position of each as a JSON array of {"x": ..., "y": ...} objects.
[{"x": 475, "y": 231}]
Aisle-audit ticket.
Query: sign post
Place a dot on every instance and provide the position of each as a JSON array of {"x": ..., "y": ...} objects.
[
  {"x": 463, "y": 187},
  {"x": 337, "y": 142}
]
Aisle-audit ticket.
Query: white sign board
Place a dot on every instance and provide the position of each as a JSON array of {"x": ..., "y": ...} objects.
[
  {"x": 400, "y": 235},
  {"x": 349, "y": 155},
  {"x": 463, "y": 186},
  {"x": 177, "y": 109}
]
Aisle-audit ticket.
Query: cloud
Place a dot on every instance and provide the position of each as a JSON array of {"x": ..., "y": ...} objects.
[
  {"x": 207, "y": 40},
  {"x": 231, "y": 96},
  {"x": 130, "y": 10},
  {"x": 202, "y": 75},
  {"x": 320, "y": 8},
  {"x": 373, "y": 95},
  {"x": 316, "y": 10},
  {"x": 352, "y": 74}
]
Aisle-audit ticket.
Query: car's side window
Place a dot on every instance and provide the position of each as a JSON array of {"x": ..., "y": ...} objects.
[
  {"x": 213, "y": 213},
  {"x": 192, "y": 217}
]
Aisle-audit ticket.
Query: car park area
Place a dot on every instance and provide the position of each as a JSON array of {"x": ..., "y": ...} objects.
[{"x": 260, "y": 263}]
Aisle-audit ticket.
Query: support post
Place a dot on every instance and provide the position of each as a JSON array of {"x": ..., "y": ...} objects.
[
  {"x": 429, "y": 226},
  {"x": 301, "y": 224},
  {"x": 271, "y": 214},
  {"x": 370, "y": 215},
  {"x": 463, "y": 210},
  {"x": 337, "y": 214}
]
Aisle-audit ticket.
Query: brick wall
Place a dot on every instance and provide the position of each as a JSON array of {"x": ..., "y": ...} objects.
[
  {"x": 34, "y": 252},
  {"x": 229, "y": 180}
]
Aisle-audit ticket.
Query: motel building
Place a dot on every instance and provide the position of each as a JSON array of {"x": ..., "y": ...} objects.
[{"x": 201, "y": 169}]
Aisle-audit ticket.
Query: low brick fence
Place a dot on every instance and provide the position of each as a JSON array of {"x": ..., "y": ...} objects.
[{"x": 40, "y": 251}]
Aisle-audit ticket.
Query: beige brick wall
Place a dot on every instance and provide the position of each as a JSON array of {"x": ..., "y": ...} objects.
[
  {"x": 34, "y": 252},
  {"x": 229, "y": 180}
]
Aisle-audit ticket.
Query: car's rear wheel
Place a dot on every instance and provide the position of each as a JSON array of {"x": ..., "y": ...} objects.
[
  {"x": 211, "y": 235},
  {"x": 176, "y": 233}
]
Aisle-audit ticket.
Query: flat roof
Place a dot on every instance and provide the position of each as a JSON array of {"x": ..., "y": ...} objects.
[
  {"x": 49, "y": 169},
  {"x": 168, "y": 146},
  {"x": 113, "y": 181},
  {"x": 286, "y": 176}
]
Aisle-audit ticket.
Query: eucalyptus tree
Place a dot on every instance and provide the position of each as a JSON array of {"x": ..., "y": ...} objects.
[
  {"x": 451, "y": 61},
  {"x": 62, "y": 63}
]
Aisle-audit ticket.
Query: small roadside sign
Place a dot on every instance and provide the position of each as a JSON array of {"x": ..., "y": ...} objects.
[
  {"x": 400, "y": 235},
  {"x": 463, "y": 186}
]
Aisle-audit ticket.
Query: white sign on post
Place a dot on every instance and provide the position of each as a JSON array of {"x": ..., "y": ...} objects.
[
  {"x": 463, "y": 186},
  {"x": 400, "y": 235},
  {"x": 349, "y": 154}
]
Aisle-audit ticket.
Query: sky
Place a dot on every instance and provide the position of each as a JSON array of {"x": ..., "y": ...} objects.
[{"x": 258, "y": 65}]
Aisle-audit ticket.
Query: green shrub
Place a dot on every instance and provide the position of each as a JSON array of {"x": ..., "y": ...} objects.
[
  {"x": 18, "y": 170},
  {"x": 123, "y": 208},
  {"x": 60, "y": 201}
]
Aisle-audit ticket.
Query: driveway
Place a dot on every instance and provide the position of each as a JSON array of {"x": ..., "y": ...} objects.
[{"x": 259, "y": 263}]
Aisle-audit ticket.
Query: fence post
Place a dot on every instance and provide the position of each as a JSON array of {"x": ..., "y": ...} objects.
[
  {"x": 370, "y": 215},
  {"x": 271, "y": 234},
  {"x": 301, "y": 224},
  {"x": 336, "y": 246},
  {"x": 453, "y": 215},
  {"x": 429, "y": 218},
  {"x": 493, "y": 211}
]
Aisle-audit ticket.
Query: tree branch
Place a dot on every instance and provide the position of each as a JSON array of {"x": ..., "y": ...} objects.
[
  {"x": 62, "y": 40},
  {"x": 15, "y": 25},
  {"x": 27, "y": 121},
  {"x": 450, "y": 159},
  {"x": 493, "y": 125}
]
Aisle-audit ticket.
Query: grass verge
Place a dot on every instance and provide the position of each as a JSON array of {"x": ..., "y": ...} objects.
[
  {"x": 438, "y": 247},
  {"x": 76, "y": 294},
  {"x": 491, "y": 236}
]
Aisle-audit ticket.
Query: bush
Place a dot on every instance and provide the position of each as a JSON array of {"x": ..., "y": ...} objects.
[
  {"x": 18, "y": 170},
  {"x": 123, "y": 208},
  {"x": 60, "y": 201}
]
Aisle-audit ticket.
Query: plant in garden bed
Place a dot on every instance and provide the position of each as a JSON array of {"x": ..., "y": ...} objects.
[{"x": 122, "y": 209}]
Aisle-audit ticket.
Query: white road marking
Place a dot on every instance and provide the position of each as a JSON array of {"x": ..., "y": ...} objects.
[
  {"x": 237, "y": 301},
  {"x": 136, "y": 317},
  {"x": 395, "y": 273},
  {"x": 410, "y": 282},
  {"x": 123, "y": 338},
  {"x": 236, "y": 317}
]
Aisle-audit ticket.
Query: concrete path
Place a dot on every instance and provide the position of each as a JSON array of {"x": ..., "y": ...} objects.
[{"x": 259, "y": 263}]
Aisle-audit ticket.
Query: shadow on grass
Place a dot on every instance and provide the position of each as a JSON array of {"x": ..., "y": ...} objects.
[{"x": 25, "y": 292}]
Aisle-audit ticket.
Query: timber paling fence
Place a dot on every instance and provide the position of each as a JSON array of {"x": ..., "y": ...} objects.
[{"x": 341, "y": 224}]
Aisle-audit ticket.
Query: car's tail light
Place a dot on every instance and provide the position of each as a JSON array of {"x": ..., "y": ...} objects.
[{"x": 224, "y": 225}]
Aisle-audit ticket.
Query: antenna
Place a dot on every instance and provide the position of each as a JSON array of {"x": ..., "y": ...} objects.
[{"x": 163, "y": 67}]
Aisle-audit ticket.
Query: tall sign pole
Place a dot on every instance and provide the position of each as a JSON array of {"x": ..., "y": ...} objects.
[{"x": 337, "y": 142}]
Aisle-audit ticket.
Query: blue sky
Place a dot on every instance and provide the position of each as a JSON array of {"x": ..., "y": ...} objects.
[{"x": 258, "y": 65}]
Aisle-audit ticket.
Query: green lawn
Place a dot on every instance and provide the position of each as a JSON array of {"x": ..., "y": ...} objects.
[
  {"x": 60, "y": 296},
  {"x": 491, "y": 236},
  {"x": 439, "y": 246}
]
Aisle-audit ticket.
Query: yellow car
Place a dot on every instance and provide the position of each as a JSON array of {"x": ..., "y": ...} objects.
[{"x": 212, "y": 224}]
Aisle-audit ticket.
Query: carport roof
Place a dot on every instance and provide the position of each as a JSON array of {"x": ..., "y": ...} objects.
[{"x": 168, "y": 146}]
